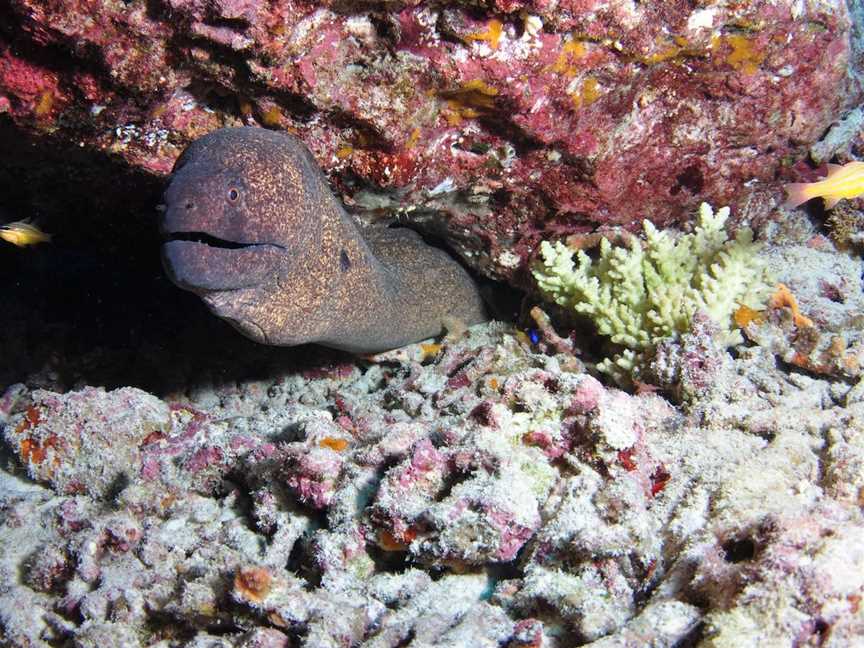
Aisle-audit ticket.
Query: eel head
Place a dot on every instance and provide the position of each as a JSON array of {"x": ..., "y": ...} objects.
[{"x": 241, "y": 217}]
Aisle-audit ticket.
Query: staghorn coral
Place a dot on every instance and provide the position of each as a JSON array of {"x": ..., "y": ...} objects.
[{"x": 641, "y": 296}]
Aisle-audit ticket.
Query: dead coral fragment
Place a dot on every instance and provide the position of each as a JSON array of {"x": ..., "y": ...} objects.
[
  {"x": 252, "y": 584},
  {"x": 797, "y": 339},
  {"x": 642, "y": 295},
  {"x": 846, "y": 225},
  {"x": 783, "y": 298}
]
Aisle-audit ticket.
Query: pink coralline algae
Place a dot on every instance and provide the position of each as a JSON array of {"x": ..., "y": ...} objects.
[
  {"x": 312, "y": 475},
  {"x": 94, "y": 442},
  {"x": 474, "y": 494},
  {"x": 84, "y": 442},
  {"x": 495, "y": 126}
]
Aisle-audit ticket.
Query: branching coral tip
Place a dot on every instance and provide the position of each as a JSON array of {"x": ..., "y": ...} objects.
[{"x": 639, "y": 296}]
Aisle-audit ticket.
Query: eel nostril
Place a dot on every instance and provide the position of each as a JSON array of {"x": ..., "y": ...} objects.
[{"x": 189, "y": 205}]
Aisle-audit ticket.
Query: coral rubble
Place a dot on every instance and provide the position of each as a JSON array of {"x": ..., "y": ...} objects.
[
  {"x": 473, "y": 493},
  {"x": 487, "y": 489}
]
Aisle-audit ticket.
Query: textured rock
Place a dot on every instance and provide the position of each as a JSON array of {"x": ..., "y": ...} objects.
[
  {"x": 87, "y": 441},
  {"x": 474, "y": 493},
  {"x": 494, "y": 126},
  {"x": 480, "y": 491}
]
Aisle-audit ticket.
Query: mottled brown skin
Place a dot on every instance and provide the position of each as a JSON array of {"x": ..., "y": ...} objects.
[{"x": 254, "y": 230}]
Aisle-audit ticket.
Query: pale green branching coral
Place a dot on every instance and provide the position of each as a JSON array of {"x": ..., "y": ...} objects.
[{"x": 648, "y": 293}]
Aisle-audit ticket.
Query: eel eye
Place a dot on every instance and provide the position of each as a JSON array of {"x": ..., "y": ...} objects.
[{"x": 233, "y": 195}]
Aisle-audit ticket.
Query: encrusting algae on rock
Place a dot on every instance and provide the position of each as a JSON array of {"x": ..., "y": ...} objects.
[
  {"x": 486, "y": 496},
  {"x": 640, "y": 296}
]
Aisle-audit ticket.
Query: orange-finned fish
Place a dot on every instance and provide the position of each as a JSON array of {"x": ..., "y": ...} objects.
[
  {"x": 846, "y": 181},
  {"x": 23, "y": 233}
]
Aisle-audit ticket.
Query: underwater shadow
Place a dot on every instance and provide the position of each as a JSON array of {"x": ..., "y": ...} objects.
[{"x": 94, "y": 306}]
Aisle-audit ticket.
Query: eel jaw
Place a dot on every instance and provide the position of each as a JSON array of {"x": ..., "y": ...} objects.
[
  {"x": 204, "y": 264},
  {"x": 233, "y": 307}
]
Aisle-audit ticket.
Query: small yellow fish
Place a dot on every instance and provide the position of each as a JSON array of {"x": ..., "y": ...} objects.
[
  {"x": 846, "y": 181},
  {"x": 23, "y": 233}
]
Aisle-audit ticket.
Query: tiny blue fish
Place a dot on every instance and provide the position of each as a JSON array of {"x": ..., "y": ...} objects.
[{"x": 534, "y": 335}]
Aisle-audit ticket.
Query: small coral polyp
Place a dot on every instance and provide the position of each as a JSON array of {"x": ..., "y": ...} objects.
[{"x": 649, "y": 293}]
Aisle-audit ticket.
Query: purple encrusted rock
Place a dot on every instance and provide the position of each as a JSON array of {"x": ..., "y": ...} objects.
[{"x": 496, "y": 126}]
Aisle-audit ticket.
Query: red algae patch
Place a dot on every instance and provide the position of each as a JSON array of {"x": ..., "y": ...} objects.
[{"x": 499, "y": 125}]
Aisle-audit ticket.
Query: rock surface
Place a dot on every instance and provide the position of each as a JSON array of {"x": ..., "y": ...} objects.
[
  {"x": 481, "y": 492},
  {"x": 493, "y": 126}
]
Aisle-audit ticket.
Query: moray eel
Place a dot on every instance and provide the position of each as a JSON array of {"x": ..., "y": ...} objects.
[{"x": 253, "y": 229}]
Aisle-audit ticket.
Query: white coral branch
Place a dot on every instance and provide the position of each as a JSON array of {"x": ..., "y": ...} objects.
[{"x": 640, "y": 296}]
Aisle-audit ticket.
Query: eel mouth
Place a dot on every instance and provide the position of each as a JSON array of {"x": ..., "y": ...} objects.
[
  {"x": 205, "y": 263},
  {"x": 215, "y": 242}
]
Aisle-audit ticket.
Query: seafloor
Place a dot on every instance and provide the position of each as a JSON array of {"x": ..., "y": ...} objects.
[{"x": 480, "y": 492}]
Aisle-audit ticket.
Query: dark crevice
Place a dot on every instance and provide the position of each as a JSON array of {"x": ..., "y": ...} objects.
[
  {"x": 500, "y": 126},
  {"x": 116, "y": 487},
  {"x": 735, "y": 551},
  {"x": 301, "y": 563},
  {"x": 237, "y": 24},
  {"x": 451, "y": 481},
  {"x": 390, "y": 562},
  {"x": 299, "y": 107},
  {"x": 690, "y": 179},
  {"x": 236, "y": 484},
  {"x": 821, "y": 630},
  {"x": 366, "y": 132},
  {"x": 94, "y": 306},
  {"x": 510, "y": 570},
  {"x": 164, "y": 626},
  {"x": 215, "y": 94}
]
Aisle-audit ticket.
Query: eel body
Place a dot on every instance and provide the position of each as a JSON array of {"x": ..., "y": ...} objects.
[{"x": 253, "y": 228}]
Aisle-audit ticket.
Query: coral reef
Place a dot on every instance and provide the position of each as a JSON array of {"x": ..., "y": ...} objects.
[
  {"x": 486, "y": 489},
  {"x": 641, "y": 297},
  {"x": 476, "y": 492},
  {"x": 824, "y": 333},
  {"x": 493, "y": 125}
]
